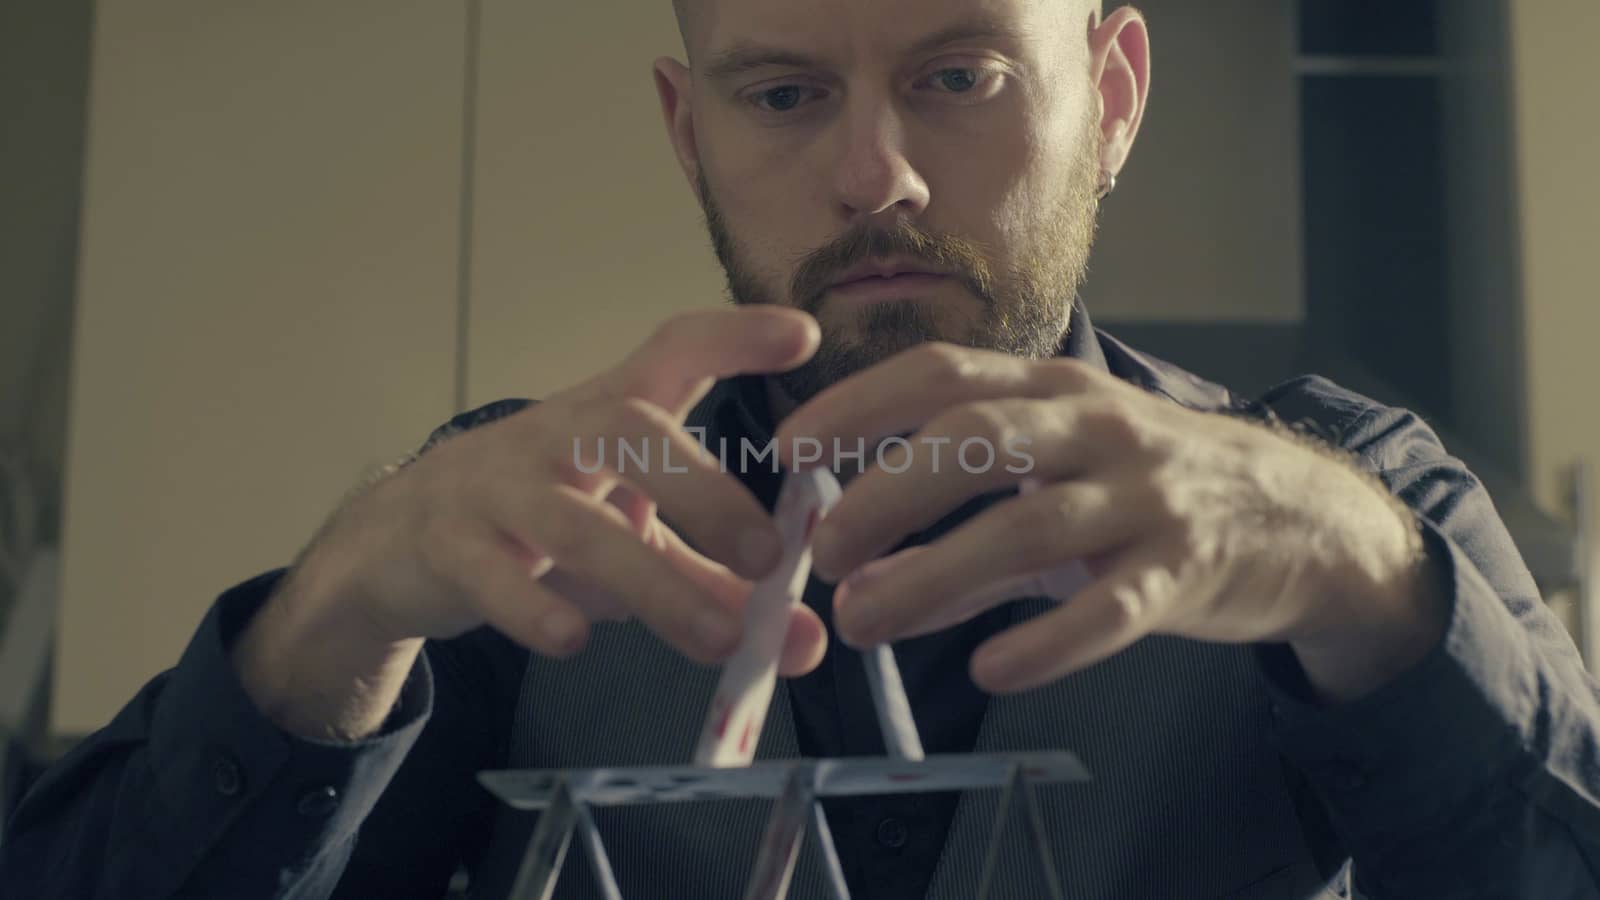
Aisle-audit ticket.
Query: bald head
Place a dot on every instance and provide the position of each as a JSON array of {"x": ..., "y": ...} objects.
[{"x": 684, "y": 10}]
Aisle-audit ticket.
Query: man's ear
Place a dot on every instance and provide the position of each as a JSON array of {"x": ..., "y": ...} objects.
[
  {"x": 672, "y": 86},
  {"x": 1119, "y": 68}
]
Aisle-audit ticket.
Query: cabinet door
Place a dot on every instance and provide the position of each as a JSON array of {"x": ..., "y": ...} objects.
[
  {"x": 267, "y": 302},
  {"x": 585, "y": 233}
]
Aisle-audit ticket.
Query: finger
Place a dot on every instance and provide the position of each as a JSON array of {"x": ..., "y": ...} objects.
[
  {"x": 595, "y": 542},
  {"x": 500, "y": 590},
  {"x": 675, "y": 365},
  {"x": 1059, "y": 584},
  {"x": 804, "y": 645},
  {"x": 966, "y": 451},
  {"x": 641, "y": 444},
  {"x": 719, "y": 584},
  {"x": 806, "y": 641},
  {"x": 596, "y": 603},
  {"x": 904, "y": 392},
  {"x": 987, "y": 558},
  {"x": 1105, "y": 617},
  {"x": 639, "y": 508}
]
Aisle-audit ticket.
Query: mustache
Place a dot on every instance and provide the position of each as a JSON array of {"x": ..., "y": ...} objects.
[{"x": 962, "y": 258}]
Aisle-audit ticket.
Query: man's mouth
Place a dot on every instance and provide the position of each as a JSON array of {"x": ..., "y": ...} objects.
[{"x": 884, "y": 280}]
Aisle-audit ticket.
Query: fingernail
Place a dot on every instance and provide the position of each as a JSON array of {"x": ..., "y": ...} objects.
[
  {"x": 717, "y": 631},
  {"x": 759, "y": 550}
]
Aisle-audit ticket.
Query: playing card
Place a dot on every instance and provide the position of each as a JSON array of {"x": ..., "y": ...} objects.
[
  {"x": 739, "y": 707},
  {"x": 889, "y": 700},
  {"x": 780, "y": 843},
  {"x": 942, "y": 772},
  {"x": 537, "y": 789}
]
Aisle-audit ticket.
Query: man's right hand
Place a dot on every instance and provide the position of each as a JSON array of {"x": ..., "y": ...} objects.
[{"x": 501, "y": 525}]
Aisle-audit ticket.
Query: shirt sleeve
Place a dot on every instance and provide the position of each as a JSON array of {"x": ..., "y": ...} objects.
[
  {"x": 1475, "y": 773},
  {"x": 190, "y": 791},
  {"x": 435, "y": 817}
]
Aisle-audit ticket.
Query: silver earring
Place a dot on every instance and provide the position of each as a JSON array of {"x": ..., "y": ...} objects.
[{"x": 1108, "y": 183}]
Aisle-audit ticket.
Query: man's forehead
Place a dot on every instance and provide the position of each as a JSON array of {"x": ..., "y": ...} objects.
[{"x": 712, "y": 24}]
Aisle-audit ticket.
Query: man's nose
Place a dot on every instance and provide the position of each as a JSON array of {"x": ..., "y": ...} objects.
[{"x": 875, "y": 173}]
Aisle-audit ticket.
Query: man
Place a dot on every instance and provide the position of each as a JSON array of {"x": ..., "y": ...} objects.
[{"x": 1301, "y": 654}]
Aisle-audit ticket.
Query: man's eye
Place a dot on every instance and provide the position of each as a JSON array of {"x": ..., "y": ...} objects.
[
  {"x": 958, "y": 81},
  {"x": 781, "y": 99}
]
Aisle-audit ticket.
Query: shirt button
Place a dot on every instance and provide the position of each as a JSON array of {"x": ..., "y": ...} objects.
[
  {"x": 226, "y": 778},
  {"x": 318, "y": 803},
  {"x": 892, "y": 833}
]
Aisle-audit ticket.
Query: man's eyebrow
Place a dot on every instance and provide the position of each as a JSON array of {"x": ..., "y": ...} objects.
[
  {"x": 744, "y": 57},
  {"x": 974, "y": 29},
  {"x": 741, "y": 58}
]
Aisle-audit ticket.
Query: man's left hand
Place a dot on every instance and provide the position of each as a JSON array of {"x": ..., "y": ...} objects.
[{"x": 1189, "y": 523}]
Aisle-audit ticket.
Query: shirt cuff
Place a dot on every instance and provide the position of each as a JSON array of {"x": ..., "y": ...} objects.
[
  {"x": 270, "y": 802},
  {"x": 1404, "y": 762}
]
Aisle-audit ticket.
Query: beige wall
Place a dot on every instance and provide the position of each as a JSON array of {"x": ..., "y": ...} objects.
[
  {"x": 267, "y": 302},
  {"x": 1558, "y": 130},
  {"x": 584, "y": 233}
]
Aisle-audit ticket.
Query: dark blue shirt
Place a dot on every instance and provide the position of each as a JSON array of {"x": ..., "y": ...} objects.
[{"x": 1473, "y": 774}]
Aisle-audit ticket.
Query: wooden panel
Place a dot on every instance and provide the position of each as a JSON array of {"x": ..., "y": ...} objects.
[
  {"x": 267, "y": 302},
  {"x": 585, "y": 234}
]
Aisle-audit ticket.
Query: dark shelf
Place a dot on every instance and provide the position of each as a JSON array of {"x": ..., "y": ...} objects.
[
  {"x": 1369, "y": 27},
  {"x": 1376, "y": 255}
]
